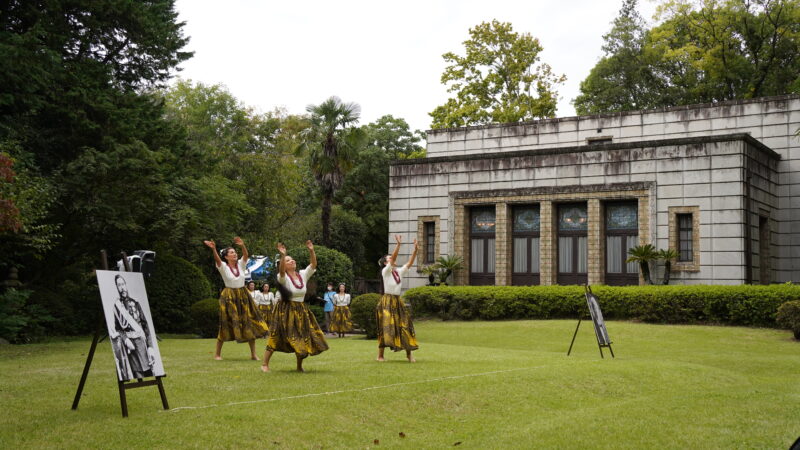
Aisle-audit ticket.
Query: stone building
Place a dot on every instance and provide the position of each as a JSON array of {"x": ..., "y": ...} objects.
[{"x": 560, "y": 201}]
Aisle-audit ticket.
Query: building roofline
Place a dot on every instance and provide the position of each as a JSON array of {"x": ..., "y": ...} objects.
[
  {"x": 746, "y": 137},
  {"x": 621, "y": 113}
]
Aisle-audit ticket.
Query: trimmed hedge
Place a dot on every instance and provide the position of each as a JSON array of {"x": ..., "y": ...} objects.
[
  {"x": 737, "y": 305},
  {"x": 789, "y": 317},
  {"x": 363, "y": 310},
  {"x": 174, "y": 287},
  {"x": 205, "y": 315}
]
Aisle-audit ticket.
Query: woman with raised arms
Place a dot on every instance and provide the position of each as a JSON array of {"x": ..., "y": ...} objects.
[
  {"x": 294, "y": 327},
  {"x": 239, "y": 319},
  {"x": 395, "y": 329}
]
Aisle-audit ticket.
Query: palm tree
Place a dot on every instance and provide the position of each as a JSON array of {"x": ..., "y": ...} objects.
[
  {"x": 668, "y": 256},
  {"x": 643, "y": 254},
  {"x": 332, "y": 142}
]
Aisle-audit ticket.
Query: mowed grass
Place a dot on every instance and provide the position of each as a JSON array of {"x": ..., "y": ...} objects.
[{"x": 476, "y": 384}]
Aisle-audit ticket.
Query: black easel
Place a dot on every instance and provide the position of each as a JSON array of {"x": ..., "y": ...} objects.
[
  {"x": 122, "y": 385},
  {"x": 600, "y": 344}
]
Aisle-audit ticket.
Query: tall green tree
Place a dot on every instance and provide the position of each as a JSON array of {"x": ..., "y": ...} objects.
[
  {"x": 701, "y": 51},
  {"x": 624, "y": 79},
  {"x": 331, "y": 143},
  {"x": 366, "y": 188},
  {"x": 500, "y": 78}
]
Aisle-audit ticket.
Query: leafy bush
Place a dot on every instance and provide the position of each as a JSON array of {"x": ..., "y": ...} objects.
[
  {"x": 175, "y": 286},
  {"x": 319, "y": 313},
  {"x": 737, "y": 305},
  {"x": 332, "y": 266},
  {"x": 21, "y": 322},
  {"x": 205, "y": 317},
  {"x": 363, "y": 310},
  {"x": 789, "y": 317}
]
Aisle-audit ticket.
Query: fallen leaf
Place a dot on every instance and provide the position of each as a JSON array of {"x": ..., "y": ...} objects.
[
  {"x": 376, "y": 442},
  {"x": 402, "y": 435},
  {"x": 457, "y": 443}
]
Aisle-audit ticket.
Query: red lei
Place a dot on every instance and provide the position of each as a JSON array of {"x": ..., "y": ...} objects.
[
  {"x": 396, "y": 276},
  {"x": 234, "y": 272},
  {"x": 299, "y": 277}
]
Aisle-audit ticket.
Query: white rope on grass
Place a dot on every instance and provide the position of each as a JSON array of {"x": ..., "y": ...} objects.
[{"x": 344, "y": 391}]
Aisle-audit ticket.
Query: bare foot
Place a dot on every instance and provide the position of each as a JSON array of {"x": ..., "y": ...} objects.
[
  {"x": 254, "y": 358},
  {"x": 300, "y": 369},
  {"x": 411, "y": 359},
  {"x": 380, "y": 359},
  {"x": 218, "y": 358},
  {"x": 264, "y": 368}
]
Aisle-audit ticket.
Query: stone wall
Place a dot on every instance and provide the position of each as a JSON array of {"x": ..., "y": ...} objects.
[
  {"x": 708, "y": 173},
  {"x": 771, "y": 120}
]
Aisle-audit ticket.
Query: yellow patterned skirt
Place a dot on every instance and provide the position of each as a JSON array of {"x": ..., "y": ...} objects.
[
  {"x": 266, "y": 312},
  {"x": 342, "y": 320},
  {"x": 239, "y": 319},
  {"x": 294, "y": 329},
  {"x": 395, "y": 329}
]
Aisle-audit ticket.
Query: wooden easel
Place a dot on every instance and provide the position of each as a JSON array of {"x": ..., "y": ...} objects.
[
  {"x": 600, "y": 345},
  {"x": 122, "y": 385}
]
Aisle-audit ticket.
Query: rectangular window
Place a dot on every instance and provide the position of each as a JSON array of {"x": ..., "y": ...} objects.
[
  {"x": 685, "y": 249},
  {"x": 430, "y": 242}
]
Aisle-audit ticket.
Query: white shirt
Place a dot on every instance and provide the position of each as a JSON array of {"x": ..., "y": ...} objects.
[
  {"x": 298, "y": 295},
  {"x": 264, "y": 299},
  {"x": 390, "y": 286},
  {"x": 230, "y": 279},
  {"x": 341, "y": 300}
]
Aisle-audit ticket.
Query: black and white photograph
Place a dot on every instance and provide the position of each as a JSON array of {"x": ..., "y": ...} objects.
[
  {"x": 130, "y": 325},
  {"x": 597, "y": 319}
]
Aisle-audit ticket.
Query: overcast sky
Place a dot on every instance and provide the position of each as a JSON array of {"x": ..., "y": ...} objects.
[{"x": 385, "y": 56}]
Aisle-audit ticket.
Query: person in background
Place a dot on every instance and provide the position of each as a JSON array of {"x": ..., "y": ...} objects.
[
  {"x": 395, "y": 329},
  {"x": 328, "y": 298},
  {"x": 265, "y": 300},
  {"x": 251, "y": 289},
  {"x": 342, "y": 320},
  {"x": 239, "y": 318},
  {"x": 294, "y": 329}
]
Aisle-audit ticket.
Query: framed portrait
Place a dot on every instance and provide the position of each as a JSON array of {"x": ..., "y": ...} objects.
[
  {"x": 597, "y": 319},
  {"x": 130, "y": 325}
]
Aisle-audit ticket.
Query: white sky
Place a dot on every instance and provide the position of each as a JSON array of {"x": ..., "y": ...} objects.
[{"x": 385, "y": 56}]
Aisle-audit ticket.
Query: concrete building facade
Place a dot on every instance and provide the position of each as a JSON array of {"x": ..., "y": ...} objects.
[{"x": 560, "y": 201}]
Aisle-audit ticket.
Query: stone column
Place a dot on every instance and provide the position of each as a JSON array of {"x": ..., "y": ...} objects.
[
  {"x": 547, "y": 244},
  {"x": 502, "y": 238},
  {"x": 595, "y": 263},
  {"x": 460, "y": 247}
]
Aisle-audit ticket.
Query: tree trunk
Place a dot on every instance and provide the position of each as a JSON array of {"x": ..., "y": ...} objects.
[
  {"x": 667, "y": 270},
  {"x": 645, "y": 266},
  {"x": 327, "y": 200}
]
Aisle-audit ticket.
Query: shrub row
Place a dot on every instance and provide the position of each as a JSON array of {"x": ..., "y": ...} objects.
[
  {"x": 363, "y": 310},
  {"x": 737, "y": 305}
]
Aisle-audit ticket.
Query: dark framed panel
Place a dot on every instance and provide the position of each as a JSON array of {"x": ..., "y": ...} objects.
[
  {"x": 572, "y": 225},
  {"x": 685, "y": 238},
  {"x": 482, "y": 245},
  {"x": 430, "y": 242},
  {"x": 622, "y": 233},
  {"x": 526, "y": 222}
]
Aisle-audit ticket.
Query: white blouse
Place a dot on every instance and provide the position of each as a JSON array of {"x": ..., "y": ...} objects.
[
  {"x": 341, "y": 300},
  {"x": 231, "y": 280},
  {"x": 265, "y": 299},
  {"x": 390, "y": 286},
  {"x": 298, "y": 295}
]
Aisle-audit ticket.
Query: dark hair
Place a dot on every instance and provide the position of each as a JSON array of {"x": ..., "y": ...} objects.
[
  {"x": 340, "y": 285},
  {"x": 224, "y": 252},
  {"x": 262, "y": 286}
]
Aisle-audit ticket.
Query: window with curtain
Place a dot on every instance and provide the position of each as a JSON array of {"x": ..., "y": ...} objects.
[
  {"x": 622, "y": 233},
  {"x": 685, "y": 244}
]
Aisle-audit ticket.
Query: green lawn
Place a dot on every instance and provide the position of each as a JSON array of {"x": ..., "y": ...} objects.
[{"x": 481, "y": 384}]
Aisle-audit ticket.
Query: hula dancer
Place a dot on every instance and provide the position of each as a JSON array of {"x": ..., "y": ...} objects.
[
  {"x": 265, "y": 300},
  {"x": 294, "y": 327},
  {"x": 342, "y": 319},
  {"x": 395, "y": 329},
  {"x": 239, "y": 319}
]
